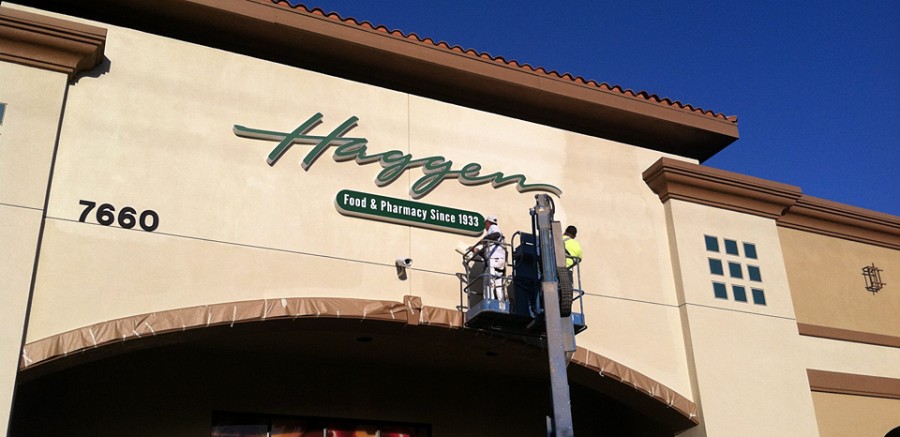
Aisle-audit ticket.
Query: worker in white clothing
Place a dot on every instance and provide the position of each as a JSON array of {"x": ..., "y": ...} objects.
[{"x": 494, "y": 254}]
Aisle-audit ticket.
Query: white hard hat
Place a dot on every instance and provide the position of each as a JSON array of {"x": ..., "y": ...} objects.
[{"x": 491, "y": 218}]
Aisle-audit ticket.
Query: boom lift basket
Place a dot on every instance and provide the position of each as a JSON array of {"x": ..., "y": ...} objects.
[{"x": 523, "y": 312}]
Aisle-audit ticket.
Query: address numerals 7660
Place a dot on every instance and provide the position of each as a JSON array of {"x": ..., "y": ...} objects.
[{"x": 127, "y": 217}]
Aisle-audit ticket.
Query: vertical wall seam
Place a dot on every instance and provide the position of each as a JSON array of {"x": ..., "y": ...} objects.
[{"x": 38, "y": 244}]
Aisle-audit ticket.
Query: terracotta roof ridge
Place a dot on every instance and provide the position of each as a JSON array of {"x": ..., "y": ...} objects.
[{"x": 603, "y": 86}]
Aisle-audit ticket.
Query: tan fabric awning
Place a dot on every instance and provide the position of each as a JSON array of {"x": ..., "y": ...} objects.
[{"x": 410, "y": 312}]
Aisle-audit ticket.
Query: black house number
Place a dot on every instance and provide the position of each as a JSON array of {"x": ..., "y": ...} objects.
[{"x": 127, "y": 217}]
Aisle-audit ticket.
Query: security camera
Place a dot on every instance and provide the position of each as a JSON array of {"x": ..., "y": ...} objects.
[{"x": 402, "y": 264}]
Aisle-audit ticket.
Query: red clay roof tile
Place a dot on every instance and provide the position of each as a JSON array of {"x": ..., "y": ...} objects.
[{"x": 643, "y": 95}]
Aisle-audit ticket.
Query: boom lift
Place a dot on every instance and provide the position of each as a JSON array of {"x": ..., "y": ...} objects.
[{"x": 541, "y": 291}]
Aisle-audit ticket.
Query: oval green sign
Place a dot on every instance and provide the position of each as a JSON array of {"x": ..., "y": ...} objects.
[{"x": 406, "y": 212}]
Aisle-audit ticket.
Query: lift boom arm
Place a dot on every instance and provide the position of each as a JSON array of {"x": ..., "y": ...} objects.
[{"x": 560, "y": 333}]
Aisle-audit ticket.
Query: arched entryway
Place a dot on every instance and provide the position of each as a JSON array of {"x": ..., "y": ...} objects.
[{"x": 325, "y": 358}]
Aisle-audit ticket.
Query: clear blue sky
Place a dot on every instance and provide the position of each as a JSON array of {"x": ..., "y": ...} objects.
[{"x": 815, "y": 84}]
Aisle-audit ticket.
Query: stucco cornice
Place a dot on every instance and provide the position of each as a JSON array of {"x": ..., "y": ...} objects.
[
  {"x": 843, "y": 221},
  {"x": 851, "y": 384},
  {"x": 674, "y": 179},
  {"x": 49, "y": 43}
]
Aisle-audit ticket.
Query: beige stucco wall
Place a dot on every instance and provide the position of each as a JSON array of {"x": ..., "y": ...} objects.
[
  {"x": 836, "y": 297},
  {"x": 33, "y": 100},
  {"x": 18, "y": 237},
  {"x": 847, "y": 415},
  {"x": 159, "y": 136},
  {"x": 750, "y": 378},
  {"x": 27, "y": 136},
  {"x": 231, "y": 227}
]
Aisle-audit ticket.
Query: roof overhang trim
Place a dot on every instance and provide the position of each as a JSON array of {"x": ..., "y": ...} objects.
[
  {"x": 835, "y": 219},
  {"x": 674, "y": 179},
  {"x": 49, "y": 43},
  {"x": 294, "y": 36}
]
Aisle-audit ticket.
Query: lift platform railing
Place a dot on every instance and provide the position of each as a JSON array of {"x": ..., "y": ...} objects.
[
  {"x": 578, "y": 292},
  {"x": 476, "y": 279}
]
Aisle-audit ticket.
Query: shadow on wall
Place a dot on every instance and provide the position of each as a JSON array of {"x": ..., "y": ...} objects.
[{"x": 99, "y": 70}]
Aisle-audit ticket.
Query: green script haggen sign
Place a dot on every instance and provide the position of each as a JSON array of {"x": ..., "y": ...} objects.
[
  {"x": 394, "y": 162},
  {"x": 406, "y": 212}
]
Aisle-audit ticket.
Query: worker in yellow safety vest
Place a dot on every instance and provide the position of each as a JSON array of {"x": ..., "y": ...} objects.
[{"x": 573, "y": 247}]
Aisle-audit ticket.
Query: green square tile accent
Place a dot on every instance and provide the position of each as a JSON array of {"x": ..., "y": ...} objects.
[
  {"x": 754, "y": 274},
  {"x": 734, "y": 270},
  {"x": 759, "y": 296},
  {"x": 731, "y": 247},
  {"x": 720, "y": 291},
  {"x": 750, "y": 250},
  {"x": 712, "y": 243},
  {"x": 740, "y": 293}
]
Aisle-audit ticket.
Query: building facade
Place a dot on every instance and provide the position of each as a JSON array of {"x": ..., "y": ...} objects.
[{"x": 202, "y": 205}]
